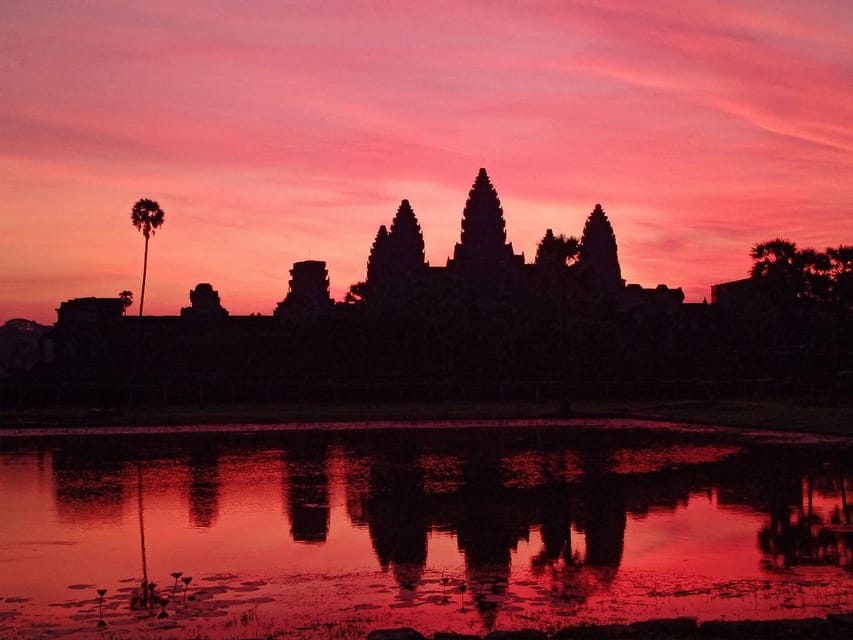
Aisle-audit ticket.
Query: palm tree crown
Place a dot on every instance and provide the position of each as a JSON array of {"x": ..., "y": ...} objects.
[{"x": 147, "y": 216}]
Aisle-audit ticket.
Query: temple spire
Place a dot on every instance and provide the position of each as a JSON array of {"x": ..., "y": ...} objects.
[
  {"x": 483, "y": 222},
  {"x": 397, "y": 258},
  {"x": 377, "y": 262},
  {"x": 483, "y": 238},
  {"x": 406, "y": 241},
  {"x": 598, "y": 253},
  {"x": 483, "y": 259}
]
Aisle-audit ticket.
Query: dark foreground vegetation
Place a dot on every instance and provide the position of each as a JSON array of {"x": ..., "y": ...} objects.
[{"x": 831, "y": 627}]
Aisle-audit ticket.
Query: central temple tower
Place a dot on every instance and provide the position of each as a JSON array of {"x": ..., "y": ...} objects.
[
  {"x": 598, "y": 254},
  {"x": 483, "y": 259}
]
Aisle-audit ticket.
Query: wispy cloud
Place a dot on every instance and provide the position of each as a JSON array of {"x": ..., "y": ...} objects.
[{"x": 275, "y": 129}]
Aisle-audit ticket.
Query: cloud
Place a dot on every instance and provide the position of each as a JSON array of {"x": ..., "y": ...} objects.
[{"x": 701, "y": 127}]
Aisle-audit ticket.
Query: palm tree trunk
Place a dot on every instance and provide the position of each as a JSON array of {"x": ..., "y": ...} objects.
[
  {"x": 142, "y": 535},
  {"x": 144, "y": 273}
]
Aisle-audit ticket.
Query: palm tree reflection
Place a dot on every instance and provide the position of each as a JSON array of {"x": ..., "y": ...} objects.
[
  {"x": 145, "y": 586},
  {"x": 804, "y": 537}
]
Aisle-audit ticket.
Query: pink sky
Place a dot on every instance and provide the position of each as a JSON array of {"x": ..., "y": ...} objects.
[{"x": 271, "y": 132}]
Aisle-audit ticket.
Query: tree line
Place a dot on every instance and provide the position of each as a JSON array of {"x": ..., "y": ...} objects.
[{"x": 789, "y": 274}]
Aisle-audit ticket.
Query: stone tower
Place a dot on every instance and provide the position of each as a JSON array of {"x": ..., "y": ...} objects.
[
  {"x": 378, "y": 263},
  {"x": 309, "y": 288},
  {"x": 598, "y": 255},
  {"x": 396, "y": 261},
  {"x": 483, "y": 259},
  {"x": 406, "y": 242},
  {"x": 205, "y": 304}
]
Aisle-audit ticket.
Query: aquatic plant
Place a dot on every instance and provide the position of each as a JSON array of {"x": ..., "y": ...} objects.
[
  {"x": 163, "y": 600},
  {"x": 186, "y": 580},
  {"x": 101, "y": 593},
  {"x": 176, "y": 575}
]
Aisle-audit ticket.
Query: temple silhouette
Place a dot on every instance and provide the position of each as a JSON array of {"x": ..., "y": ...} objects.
[
  {"x": 485, "y": 271},
  {"x": 487, "y": 324}
]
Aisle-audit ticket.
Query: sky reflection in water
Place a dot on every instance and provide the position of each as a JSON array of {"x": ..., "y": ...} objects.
[{"x": 452, "y": 530}]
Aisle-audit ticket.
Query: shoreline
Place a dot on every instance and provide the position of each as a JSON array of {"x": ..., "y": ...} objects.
[
  {"x": 684, "y": 628},
  {"x": 741, "y": 414}
]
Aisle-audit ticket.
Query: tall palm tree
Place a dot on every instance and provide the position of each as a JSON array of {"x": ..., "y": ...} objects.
[{"x": 147, "y": 217}]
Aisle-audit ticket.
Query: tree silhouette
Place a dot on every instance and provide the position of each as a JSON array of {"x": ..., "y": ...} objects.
[
  {"x": 772, "y": 257},
  {"x": 841, "y": 273},
  {"x": 126, "y": 298},
  {"x": 817, "y": 282},
  {"x": 556, "y": 251},
  {"x": 791, "y": 274},
  {"x": 775, "y": 265},
  {"x": 147, "y": 217},
  {"x": 356, "y": 293}
]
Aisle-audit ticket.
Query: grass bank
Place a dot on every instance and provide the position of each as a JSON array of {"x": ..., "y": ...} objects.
[
  {"x": 275, "y": 414},
  {"x": 790, "y": 416},
  {"x": 777, "y": 415}
]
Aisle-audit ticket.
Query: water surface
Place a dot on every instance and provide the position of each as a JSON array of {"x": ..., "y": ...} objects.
[{"x": 467, "y": 529}]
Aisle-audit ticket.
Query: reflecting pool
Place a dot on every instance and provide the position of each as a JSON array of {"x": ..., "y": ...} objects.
[{"x": 333, "y": 532}]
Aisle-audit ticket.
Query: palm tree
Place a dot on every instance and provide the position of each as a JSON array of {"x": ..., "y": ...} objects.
[
  {"x": 773, "y": 256},
  {"x": 126, "y": 298},
  {"x": 554, "y": 252},
  {"x": 793, "y": 274},
  {"x": 841, "y": 271},
  {"x": 778, "y": 265},
  {"x": 817, "y": 280},
  {"x": 147, "y": 216}
]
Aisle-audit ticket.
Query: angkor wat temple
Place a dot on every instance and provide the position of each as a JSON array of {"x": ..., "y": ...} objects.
[
  {"x": 485, "y": 270},
  {"x": 486, "y": 324}
]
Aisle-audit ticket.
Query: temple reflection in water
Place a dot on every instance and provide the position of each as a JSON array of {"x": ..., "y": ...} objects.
[{"x": 488, "y": 490}]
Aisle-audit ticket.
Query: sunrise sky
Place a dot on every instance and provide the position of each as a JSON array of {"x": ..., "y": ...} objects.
[{"x": 272, "y": 132}]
